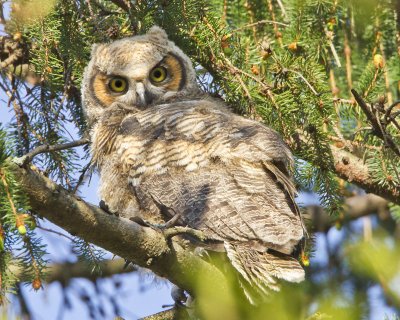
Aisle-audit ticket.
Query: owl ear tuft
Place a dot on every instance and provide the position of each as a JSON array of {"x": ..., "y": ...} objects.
[
  {"x": 96, "y": 49},
  {"x": 157, "y": 34}
]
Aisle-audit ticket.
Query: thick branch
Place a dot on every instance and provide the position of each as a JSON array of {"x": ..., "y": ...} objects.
[
  {"x": 64, "y": 272},
  {"x": 354, "y": 208},
  {"x": 170, "y": 314},
  {"x": 353, "y": 169},
  {"x": 144, "y": 246}
]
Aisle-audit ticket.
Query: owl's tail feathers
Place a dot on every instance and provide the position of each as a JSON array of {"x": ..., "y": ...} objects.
[{"x": 260, "y": 271}]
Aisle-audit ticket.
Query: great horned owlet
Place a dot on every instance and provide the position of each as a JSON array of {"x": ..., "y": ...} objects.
[{"x": 164, "y": 148}]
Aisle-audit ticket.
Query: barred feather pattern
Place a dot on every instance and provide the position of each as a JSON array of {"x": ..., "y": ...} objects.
[
  {"x": 223, "y": 174},
  {"x": 164, "y": 148}
]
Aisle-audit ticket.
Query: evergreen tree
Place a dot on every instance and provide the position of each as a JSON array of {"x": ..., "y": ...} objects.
[{"x": 323, "y": 73}]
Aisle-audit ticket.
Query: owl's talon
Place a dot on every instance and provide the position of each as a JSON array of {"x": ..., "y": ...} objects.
[
  {"x": 179, "y": 296},
  {"x": 171, "y": 222},
  {"x": 162, "y": 226},
  {"x": 202, "y": 253},
  {"x": 127, "y": 263},
  {"x": 103, "y": 205},
  {"x": 140, "y": 221}
]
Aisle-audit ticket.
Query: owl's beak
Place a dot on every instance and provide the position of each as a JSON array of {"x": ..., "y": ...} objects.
[{"x": 140, "y": 94}]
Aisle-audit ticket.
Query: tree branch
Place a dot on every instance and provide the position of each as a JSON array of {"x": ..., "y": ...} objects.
[
  {"x": 354, "y": 207},
  {"x": 170, "y": 314},
  {"x": 64, "y": 272},
  {"x": 352, "y": 169},
  {"x": 144, "y": 246},
  {"x": 26, "y": 158}
]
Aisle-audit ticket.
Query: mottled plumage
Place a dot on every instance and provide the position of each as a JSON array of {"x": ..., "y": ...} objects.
[{"x": 165, "y": 148}]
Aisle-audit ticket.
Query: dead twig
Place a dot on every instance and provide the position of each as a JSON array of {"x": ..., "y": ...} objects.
[
  {"x": 379, "y": 126},
  {"x": 25, "y": 159}
]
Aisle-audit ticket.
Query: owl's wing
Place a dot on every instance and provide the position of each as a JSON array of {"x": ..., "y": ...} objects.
[{"x": 224, "y": 174}]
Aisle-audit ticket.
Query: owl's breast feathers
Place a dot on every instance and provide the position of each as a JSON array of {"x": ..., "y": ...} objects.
[{"x": 223, "y": 174}]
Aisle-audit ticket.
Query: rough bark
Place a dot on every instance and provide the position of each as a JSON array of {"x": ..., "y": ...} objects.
[{"x": 354, "y": 170}]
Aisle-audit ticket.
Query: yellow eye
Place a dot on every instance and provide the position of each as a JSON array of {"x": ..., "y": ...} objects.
[
  {"x": 158, "y": 74},
  {"x": 117, "y": 85}
]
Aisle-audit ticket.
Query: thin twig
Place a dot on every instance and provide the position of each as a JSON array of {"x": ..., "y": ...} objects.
[
  {"x": 25, "y": 159},
  {"x": 81, "y": 177},
  {"x": 280, "y": 4},
  {"x": 305, "y": 80},
  {"x": 355, "y": 144},
  {"x": 329, "y": 36},
  {"x": 258, "y": 23},
  {"x": 342, "y": 139},
  {"x": 56, "y": 232},
  {"x": 352, "y": 102},
  {"x": 278, "y": 34},
  {"x": 8, "y": 193}
]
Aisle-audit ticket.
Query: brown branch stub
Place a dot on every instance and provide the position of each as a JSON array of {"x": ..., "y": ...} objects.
[{"x": 354, "y": 170}]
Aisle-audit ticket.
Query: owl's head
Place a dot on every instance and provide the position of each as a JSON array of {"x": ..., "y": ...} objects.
[{"x": 137, "y": 71}]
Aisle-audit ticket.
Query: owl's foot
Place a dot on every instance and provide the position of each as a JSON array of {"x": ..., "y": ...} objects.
[
  {"x": 202, "y": 253},
  {"x": 140, "y": 221},
  {"x": 179, "y": 296},
  {"x": 127, "y": 263},
  {"x": 103, "y": 205},
  {"x": 171, "y": 222},
  {"x": 158, "y": 226},
  {"x": 182, "y": 301}
]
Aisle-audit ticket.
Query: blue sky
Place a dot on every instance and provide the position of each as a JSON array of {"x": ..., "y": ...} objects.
[{"x": 142, "y": 295}]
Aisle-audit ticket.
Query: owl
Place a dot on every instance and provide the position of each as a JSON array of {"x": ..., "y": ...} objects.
[{"x": 166, "y": 150}]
